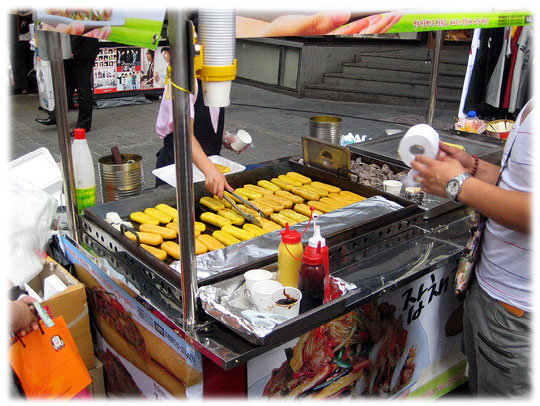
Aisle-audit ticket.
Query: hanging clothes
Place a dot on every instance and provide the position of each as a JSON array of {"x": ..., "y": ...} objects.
[
  {"x": 520, "y": 78},
  {"x": 491, "y": 42},
  {"x": 508, "y": 88},
  {"x": 493, "y": 92}
]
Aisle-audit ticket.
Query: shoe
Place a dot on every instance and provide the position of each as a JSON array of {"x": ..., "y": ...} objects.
[{"x": 46, "y": 121}]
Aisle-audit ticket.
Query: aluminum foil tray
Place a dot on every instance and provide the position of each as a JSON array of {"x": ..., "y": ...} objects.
[{"x": 225, "y": 302}]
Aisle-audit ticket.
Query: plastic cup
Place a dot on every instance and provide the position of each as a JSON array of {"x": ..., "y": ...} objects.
[
  {"x": 392, "y": 186},
  {"x": 287, "y": 292},
  {"x": 217, "y": 94},
  {"x": 242, "y": 139},
  {"x": 262, "y": 295}
]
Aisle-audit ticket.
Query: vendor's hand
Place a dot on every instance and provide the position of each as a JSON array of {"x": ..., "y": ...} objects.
[
  {"x": 433, "y": 174},
  {"x": 228, "y": 139},
  {"x": 452, "y": 152},
  {"x": 23, "y": 316},
  {"x": 216, "y": 182}
]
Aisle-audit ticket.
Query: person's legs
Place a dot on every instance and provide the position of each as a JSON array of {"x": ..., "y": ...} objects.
[
  {"x": 498, "y": 348},
  {"x": 82, "y": 81},
  {"x": 165, "y": 156}
]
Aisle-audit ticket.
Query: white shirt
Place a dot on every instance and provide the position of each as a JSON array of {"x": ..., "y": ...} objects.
[
  {"x": 504, "y": 269},
  {"x": 164, "y": 122}
]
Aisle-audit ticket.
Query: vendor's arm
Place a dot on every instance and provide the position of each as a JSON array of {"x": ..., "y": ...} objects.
[
  {"x": 511, "y": 209},
  {"x": 215, "y": 180}
]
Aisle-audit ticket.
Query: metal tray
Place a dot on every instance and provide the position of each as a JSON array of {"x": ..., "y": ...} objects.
[
  {"x": 386, "y": 148},
  {"x": 326, "y": 156}
]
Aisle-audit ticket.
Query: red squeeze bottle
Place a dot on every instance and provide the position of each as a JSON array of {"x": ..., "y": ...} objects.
[
  {"x": 311, "y": 279},
  {"x": 312, "y": 245}
]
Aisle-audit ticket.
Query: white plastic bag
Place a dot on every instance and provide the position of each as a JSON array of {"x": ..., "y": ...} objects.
[{"x": 31, "y": 214}]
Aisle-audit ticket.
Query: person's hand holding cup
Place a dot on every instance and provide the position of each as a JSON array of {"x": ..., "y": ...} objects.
[{"x": 238, "y": 142}]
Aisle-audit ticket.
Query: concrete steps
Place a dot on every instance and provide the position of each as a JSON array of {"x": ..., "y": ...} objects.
[{"x": 399, "y": 77}]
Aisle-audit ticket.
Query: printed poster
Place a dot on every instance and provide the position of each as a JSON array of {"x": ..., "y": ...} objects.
[
  {"x": 401, "y": 345},
  {"x": 143, "y": 355}
]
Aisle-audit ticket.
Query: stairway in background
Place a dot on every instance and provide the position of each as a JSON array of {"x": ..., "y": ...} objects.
[{"x": 397, "y": 77}]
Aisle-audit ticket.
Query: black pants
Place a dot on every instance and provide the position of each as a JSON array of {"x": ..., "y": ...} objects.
[
  {"x": 165, "y": 156},
  {"x": 78, "y": 74}
]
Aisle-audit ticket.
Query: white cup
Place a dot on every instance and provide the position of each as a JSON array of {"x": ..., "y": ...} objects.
[
  {"x": 287, "y": 292},
  {"x": 242, "y": 139},
  {"x": 217, "y": 94},
  {"x": 262, "y": 295},
  {"x": 392, "y": 186},
  {"x": 256, "y": 275}
]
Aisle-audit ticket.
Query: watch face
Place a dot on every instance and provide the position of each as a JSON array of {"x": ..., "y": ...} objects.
[{"x": 452, "y": 188}]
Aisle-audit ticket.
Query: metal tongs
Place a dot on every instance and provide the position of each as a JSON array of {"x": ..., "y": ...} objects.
[{"x": 247, "y": 216}]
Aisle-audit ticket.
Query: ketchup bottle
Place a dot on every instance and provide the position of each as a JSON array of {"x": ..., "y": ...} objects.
[
  {"x": 311, "y": 278},
  {"x": 312, "y": 245}
]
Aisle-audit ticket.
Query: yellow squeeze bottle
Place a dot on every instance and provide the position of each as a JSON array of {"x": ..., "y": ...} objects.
[{"x": 290, "y": 253}]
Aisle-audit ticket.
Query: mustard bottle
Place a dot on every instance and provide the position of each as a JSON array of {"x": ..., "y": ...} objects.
[{"x": 290, "y": 253}]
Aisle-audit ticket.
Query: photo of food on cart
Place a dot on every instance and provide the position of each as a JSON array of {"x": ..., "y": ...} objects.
[
  {"x": 90, "y": 17},
  {"x": 366, "y": 352}
]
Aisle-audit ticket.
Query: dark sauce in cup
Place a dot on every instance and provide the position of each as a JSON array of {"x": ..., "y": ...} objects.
[{"x": 287, "y": 300}]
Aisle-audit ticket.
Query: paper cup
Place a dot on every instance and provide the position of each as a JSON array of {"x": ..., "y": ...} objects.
[
  {"x": 256, "y": 275},
  {"x": 289, "y": 309},
  {"x": 392, "y": 186},
  {"x": 262, "y": 295},
  {"x": 242, "y": 139},
  {"x": 216, "y": 94}
]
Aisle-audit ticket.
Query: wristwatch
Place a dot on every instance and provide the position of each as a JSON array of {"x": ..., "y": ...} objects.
[{"x": 454, "y": 185}]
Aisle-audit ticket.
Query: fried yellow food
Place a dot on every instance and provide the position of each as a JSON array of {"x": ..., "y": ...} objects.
[
  {"x": 199, "y": 227},
  {"x": 254, "y": 229},
  {"x": 291, "y": 196},
  {"x": 173, "y": 249},
  {"x": 325, "y": 208},
  {"x": 145, "y": 238},
  {"x": 211, "y": 203},
  {"x": 252, "y": 195},
  {"x": 171, "y": 211},
  {"x": 294, "y": 215},
  {"x": 286, "y": 203},
  {"x": 282, "y": 184},
  {"x": 294, "y": 181},
  {"x": 332, "y": 202},
  {"x": 166, "y": 232},
  {"x": 210, "y": 242},
  {"x": 235, "y": 218},
  {"x": 304, "y": 179},
  {"x": 351, "y": 195},
  {"x": 215, "y": 219},
  {"x": 322, "y": 192},
  {"x": 305, "y": 210},
  {"x": 159, "y": 253},
  {"x": 275, "y": 206},
  {"x": 304, "y": 193},
  {"x": 282, "y": 220},
  {"x": 248, "y": 210},
  {"x": 239, "y": 233},
  {"x": 224, "y": 202},
  {"x": 458, "y": 146},
  {"x": 326, "y": 186},
  {"x": 268, "y": 185},
  {"x": 223, "y": 168},
  {"x": 269, "y": 225},
  {"x": 258, "y": 189},
  {"x": 341, "y": 197},
  {"x": 143, "y": 218},
  {"x": 262, "y": 207},
  {"x": 225, "y": 238},
  {"x": 162, "y": 217}
]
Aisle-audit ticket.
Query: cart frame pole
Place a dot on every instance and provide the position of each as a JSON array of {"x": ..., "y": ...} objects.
[
  {"x": 54, "y": 49},
  {"x": 183, "y": 131},
  {"x": 439, "y": 35}
]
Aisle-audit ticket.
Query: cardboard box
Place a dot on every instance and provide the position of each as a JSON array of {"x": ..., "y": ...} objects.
[
  {"x": 97, "y": 387},
  {"x": 71, "y": 304}
]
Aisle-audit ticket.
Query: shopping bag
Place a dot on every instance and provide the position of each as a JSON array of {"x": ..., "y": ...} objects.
[
  {"x": 469, "y": 258},
  {"x": 48, "y": 363}
]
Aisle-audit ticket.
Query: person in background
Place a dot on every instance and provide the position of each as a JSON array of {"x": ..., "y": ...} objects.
[
  {"x": 497, "y": 321},
  {"x": 159, "y": 80},
  {"x": 209, "y": 136},
  {"x": 148, "y": 77},
  {"x": 78, "y": 72}
]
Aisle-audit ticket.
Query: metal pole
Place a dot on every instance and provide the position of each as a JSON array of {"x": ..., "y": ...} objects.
[
  {"x": 434, "y": 77},
  {"x": 178, "y": 38},
  {"x": 54, "y": 48}
]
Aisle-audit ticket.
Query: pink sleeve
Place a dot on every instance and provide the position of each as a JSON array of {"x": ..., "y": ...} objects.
[{"x": 164, "y": 122}]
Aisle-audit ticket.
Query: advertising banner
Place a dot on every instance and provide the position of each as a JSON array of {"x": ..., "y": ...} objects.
[
  {"x": 143, "y": 355},
  {"x": 130, "y": 27},
  {"x": 405, "y": 344}
]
